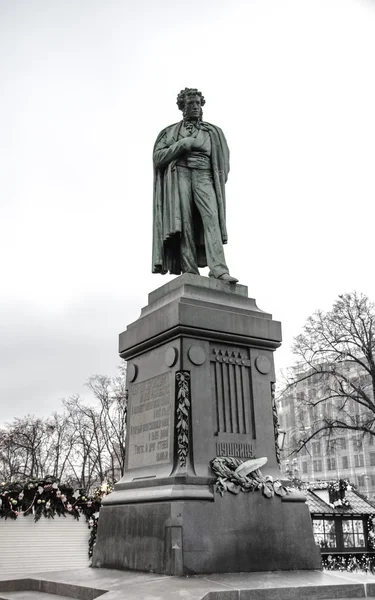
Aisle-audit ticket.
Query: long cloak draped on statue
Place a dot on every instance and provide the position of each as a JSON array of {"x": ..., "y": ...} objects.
[{"x": 167, "y": 225}]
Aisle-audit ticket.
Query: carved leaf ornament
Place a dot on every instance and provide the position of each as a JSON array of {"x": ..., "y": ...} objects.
[
  {"x": 183, "y": 415},
  {"x": 234, "y": 475},
  {"x": 276, "y": 424}
]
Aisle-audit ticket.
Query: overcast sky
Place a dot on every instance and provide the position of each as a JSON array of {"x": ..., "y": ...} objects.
[{"x": 86, "y": 86}]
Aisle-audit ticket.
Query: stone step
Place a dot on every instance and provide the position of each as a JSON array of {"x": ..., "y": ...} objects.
[
  {"x": 89, "y": 584},
  {"x": 313, "y": 593},
  {"x": 29, "y": 595},
  {"x": 46, "y": 589}
]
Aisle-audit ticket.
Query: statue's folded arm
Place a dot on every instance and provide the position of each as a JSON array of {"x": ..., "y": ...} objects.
[{"x": 164, "y": 155}]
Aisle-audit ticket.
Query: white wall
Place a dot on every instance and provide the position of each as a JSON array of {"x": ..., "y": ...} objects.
[{"x": 48, "y": 545}]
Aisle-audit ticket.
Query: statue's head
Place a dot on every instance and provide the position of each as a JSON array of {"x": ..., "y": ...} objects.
[{"x": 190, "y": 101}]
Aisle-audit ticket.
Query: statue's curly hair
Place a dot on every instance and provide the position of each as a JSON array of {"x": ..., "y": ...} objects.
[{"x": 188, "y": 92}]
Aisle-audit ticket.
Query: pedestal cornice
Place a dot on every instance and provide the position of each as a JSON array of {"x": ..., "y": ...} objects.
[{"x": 199, "y": 306}]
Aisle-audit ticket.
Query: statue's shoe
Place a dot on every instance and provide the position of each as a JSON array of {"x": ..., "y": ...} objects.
[{"x": 228, "y": 278}]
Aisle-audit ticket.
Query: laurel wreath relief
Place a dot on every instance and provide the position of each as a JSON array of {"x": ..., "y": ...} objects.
[{"x": 183, "y": 415}]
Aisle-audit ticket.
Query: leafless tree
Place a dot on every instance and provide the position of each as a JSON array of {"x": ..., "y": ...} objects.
[
  {"x": 23, "y": 447},
  {"x": 60, "y": 447},
  {"x": 83, "y": 445},
  {"x": 11, "y": 463},
  {"x": 111, "y": 395},
  {"x": 334, "y": 379}
]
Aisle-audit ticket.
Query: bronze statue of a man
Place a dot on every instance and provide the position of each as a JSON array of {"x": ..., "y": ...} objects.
[{"x": 191, "y": 166}]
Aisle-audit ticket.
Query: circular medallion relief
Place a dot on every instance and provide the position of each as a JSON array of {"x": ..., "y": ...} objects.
[
  {"x": 132, "y": 371},
  {"x": 263, "y": 364},
  {"x": 171, "y": 356},
  {"x": 197, "y": 355}
]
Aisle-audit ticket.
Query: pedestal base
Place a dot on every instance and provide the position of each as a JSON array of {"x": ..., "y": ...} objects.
[{"x": 235, "y": 533}]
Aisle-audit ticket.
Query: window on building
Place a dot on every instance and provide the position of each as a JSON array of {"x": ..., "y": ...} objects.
[
  {"x": 359, "y": 460},
  {"x": 316, "y": 448},
  {"x": 361, "y": 480},
  {"x": 331, "y": 464},
  {"x": 345, "y": 462},
  {"x": 353, "y": 533},
  {"x": 345, "y": 418},
  {"x": 372, "y": 459},
  {"x": 325, "y": 533},
  {"x": 326, "y": 409},
  {"x": 371, "y": 440},
  {"x": 343, "y": 443},
  {"x": 304, "y": 467},
  {"x": 317, "y": 465},
  {"x": 357, "y": 442},
  {"x": 372, "y": 480}
]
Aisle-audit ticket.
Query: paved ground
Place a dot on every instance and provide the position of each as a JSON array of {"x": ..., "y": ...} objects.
[{"x": 125, "y": 585}]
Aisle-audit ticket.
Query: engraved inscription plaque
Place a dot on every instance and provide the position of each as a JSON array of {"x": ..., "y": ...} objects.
[
  {"x": 149, "y": 426},
  {"x": 234, "y": 449}
]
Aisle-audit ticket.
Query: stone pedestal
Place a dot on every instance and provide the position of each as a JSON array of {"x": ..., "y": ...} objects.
[{"x": 200, "y": 377}]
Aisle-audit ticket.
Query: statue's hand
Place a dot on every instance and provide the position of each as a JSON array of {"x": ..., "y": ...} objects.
[{"x": 187, "y": 143}]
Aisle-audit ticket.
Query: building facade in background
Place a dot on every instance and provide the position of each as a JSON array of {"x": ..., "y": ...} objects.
[{"x": 338, "y": 453}]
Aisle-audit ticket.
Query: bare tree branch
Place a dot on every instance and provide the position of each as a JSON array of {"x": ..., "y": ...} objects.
[{"x": 336, "y": 367}]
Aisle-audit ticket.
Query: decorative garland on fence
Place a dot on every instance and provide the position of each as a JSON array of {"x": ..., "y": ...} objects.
[
  {"x": 349, "y": 562},
  {"x": 231, "y": 479},
  {"x": 370, "y": 533},
  {"x": 183, "y": 415},
  {"x": 336, "y": 490},
  {"x": 48, "y": 498}
]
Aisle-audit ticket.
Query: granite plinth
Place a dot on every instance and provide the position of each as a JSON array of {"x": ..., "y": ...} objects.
[
  {"x": 200, "y": 380},
  {"x": 240, "y": 533}
]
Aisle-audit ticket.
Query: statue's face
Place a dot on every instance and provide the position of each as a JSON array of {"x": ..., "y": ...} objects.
[{"x": 193, "y": 109}]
